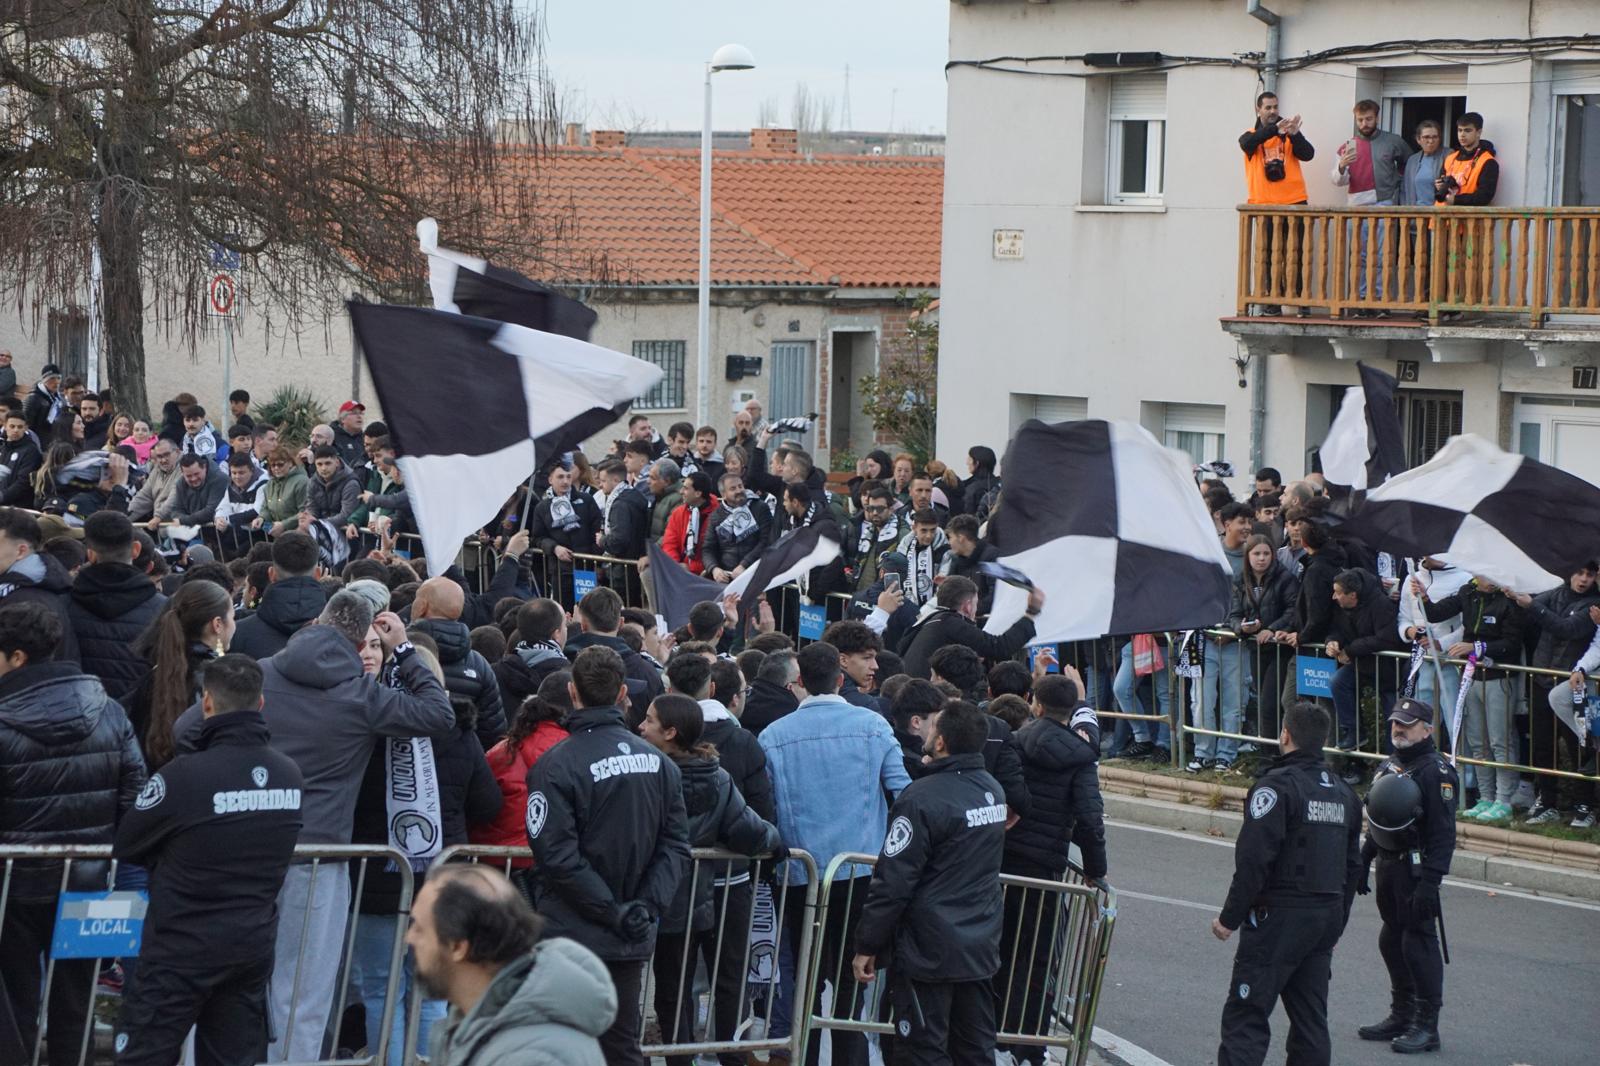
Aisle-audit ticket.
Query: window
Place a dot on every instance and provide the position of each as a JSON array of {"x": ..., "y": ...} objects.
[
  {"x": 1050, "y": 409},
  {"x": 1578, "y": 115},
  {"x": 1411, "y": 94},
  {"x": 1427, "y": 420},
  {"x": 669, "y": 356},
  {"x": 69, "y": 340},
  {"x": 1196, "y": 428},
  {"x": 1137, "y": 140}
]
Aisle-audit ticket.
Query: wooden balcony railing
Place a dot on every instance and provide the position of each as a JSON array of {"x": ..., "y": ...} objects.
[{"x": 1530, "y": 262}]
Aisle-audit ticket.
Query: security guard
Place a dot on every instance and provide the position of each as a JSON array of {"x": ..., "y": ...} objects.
[
  {"x": 218, "y": 828},
  {"x": 610, "y": 839},
  {"x": 1412, "y": 832},
  {"x": 1296, "y": 867},
  {"x": 935, "y": 900}
]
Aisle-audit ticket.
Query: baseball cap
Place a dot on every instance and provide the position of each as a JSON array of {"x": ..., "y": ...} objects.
[
  {"x": 1408, "y": 711},
  {"x": 894, "y": 563},
  {"x": 351, "y": 405}
]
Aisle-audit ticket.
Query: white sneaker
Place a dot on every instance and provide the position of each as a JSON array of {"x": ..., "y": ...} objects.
[
  {"x": 1582, "y": 818},
  {"x": 1522, "y": 799}
]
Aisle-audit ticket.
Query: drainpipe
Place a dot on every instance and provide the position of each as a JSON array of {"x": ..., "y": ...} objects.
[{"x": 1269, "y": 73}]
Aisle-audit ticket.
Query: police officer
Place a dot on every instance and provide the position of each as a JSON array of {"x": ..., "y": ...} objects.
[
  {"x": 935, "y": 899},
  {"x": 1412, "y": 832},
  {"x": 218, "y": 828},
  {"x": 1296, "y": 867},
  {"x": 610, "y": 839}
]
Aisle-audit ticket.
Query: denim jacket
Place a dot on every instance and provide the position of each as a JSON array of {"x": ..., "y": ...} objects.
[{"x": 831, "y": 764}]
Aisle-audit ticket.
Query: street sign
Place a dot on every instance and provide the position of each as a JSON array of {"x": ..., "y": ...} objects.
[
  {"x": 583, "y": 583},
  {"x": 1314, "y": 676},
  {"x": 224, "y": 258},
  {"x": 813, "y": 620},
  {"x": 222, "y": 296},
  {"x": 98, "y": 925}
]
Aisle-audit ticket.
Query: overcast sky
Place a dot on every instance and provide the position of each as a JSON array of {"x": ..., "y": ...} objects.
[{"x": 640, "y": 63}]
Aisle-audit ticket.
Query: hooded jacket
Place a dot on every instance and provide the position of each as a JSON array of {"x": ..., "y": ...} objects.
[
  {"x": 288, "y": 605},
  {"x": 41, "y": 409},
  {"x": 1369, "y": 627},
  {"x": 1064, "y": 796},
  {"x": 945, "y": 626},
  {"x": 286, "y": 496},
  {"x": 325, "y": 713},
  {"x": 966, "y": 566},
  {"x": 607, "y": 826},
  {"x": 22, "y": 461},
  {"x": 111, "y": 605},
  {"x": 69, "y": 769},
  {"x": 510, "y": 767},
  {"x": 1269, "y": 601},
  {"x": 766, "y": 704},
  {"x": 1492, "y": 619},
  {"x": 218, "y": 829},
  {"x": 335, "y": 499},
  {"x": 1565, "y": 630},
  {"x": 467, "y": 674},
  {"x": 627, "y": 522},
  {"x": 241, "y": 506},
  {"x": 643, "y": 680},
  {"x": 718, "y": 817},
  {"x": 52, "y": 589},
  {"x": 1313, "y": 608},
  {"x": 675, "y": 538},
  {"x": 546, "y": 1009},
  {"x": 935, "y": 892},
  {"x": 523, "y": 670},
  {"x": 577, "y": 536},
  {"x": 725, "y": 543}
]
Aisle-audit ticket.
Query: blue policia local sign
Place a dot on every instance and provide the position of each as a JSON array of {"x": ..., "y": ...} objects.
[
  {"x": 1314, "y": 675},
  {"x": 813, "y": 620},
  {"x": 583, "y": 582},
  {"x": 99, "y": 925}
]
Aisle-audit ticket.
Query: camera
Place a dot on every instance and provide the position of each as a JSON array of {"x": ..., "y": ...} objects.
[{"x": 1274, "y": 169}]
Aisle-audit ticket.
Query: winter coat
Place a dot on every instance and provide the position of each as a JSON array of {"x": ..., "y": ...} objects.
[
  {"x": 325, "y": 713},
  {"x": 628, "y": 523},
  {"x": 1313, "y": 607},
  {"x": 766, "y": 704},
  {"x": 545, "y": 1009},
  {"x": 1369, "y": 627},
  {"x": 156, "y": 496},
  {"x": 137, "y": 702},
  {"x": 675, "y": 539},
  {"x": 521, "y": 673},
  {"x": 22, "y": 461},
  {"x": 1492, "y": 619},
  {"x": 288, "y": 606},
  {"x": 719, "y": 817},
  {"x": 241, "y": 506},
  {"x": 197, "y": 506},
  {"x": 1064, "y": 789},
  {"x": 352, "y": 447},
  {"x": 643, "y": 680},
  {"x": 40, "y": 408},
  {"x": 69, "y": 768},
  {"x": 54, "y": 590},
  {"x": 286, "y": 496},
  {"x": 661, "y": 513},
  {"x": 725, "y": 549},
  {"x": 468, "y": 796},
  {"x": 1269, "y": 601},
  {"x": 967, "y": 566},
  {"x": 508, "y": 828},
  {"x": 467, "y": 674},
  {"x": 112, "y": 603},
  {"x": 578, "y": 536},
  {"x": 335, "y": 499},
  {"x": 947, "y": 627},
  {"x": 1562, "y": 618}
]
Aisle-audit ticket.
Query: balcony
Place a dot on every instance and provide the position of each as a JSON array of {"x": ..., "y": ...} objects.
[{"x": 1458, "y": 279}]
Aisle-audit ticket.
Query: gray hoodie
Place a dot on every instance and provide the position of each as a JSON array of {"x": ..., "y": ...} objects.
[
  {"x": 545, "y": 1009},
  {"x": 325, "y": 714}
]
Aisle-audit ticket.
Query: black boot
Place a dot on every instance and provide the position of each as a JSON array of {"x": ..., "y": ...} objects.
[
  {"x": 1398, "y": 1021},
  {"x": 1423, "y": 1035}
]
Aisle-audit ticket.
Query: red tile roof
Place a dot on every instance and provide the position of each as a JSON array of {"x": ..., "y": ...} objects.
[{"x": 776, "y": 219}]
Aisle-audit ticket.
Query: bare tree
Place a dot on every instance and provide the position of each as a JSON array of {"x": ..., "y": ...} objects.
[
  {"x": 812, "y": 117},
  {"x": 767, "y": 113},
  {"x": 305, "y": 136}
]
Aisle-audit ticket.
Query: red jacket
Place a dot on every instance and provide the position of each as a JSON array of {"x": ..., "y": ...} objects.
[
  {"x": 507, "y": 830},
  {"x": 672, "y": 541}
]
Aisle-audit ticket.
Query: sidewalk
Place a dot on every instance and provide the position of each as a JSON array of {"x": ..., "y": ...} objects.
[{"x": 1526, "y": 861}]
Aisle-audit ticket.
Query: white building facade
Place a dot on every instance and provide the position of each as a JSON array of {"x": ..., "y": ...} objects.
[{"x": 1092, "y": 232}]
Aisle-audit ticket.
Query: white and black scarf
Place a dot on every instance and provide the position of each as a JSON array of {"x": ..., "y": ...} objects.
[
  {"x": 888, "y": 533},
  {"x": 411, "y": 796},
  {"x": 920, "y": 588},
  {"x": 739, "y": 523},
  {"x": 691, "y": 532},
  {"x": 563, "y": 513}
]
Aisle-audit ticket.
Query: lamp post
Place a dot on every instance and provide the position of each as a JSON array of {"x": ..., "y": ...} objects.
[{"x": 728, "y": 57}]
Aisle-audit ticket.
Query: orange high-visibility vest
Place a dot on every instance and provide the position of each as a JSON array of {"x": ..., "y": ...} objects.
[
  {"x": 1291, "y": 190},
  {"x": 1466, "y": 170}
]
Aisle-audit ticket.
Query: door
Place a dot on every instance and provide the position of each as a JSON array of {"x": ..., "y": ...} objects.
[
  {"x": 790, "y": 395},
  {"x": 1561, "y": 432}
]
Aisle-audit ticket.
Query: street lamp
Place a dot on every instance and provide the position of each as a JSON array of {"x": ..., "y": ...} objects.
[{"x": 728, "y": 57}]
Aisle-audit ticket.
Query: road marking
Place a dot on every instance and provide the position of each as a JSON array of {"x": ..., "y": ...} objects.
[
  {"x": 1125, "y": 893},
  {"x": 1476, "y": 886},
  {"x": 1131, "y": 1054}
]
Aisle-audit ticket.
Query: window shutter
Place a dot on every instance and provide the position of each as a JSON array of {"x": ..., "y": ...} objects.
[
  {"x": 1197, "y": 417},
  {"x": 1425, "y": 81},
  {"x": 1138, "y": 96}
]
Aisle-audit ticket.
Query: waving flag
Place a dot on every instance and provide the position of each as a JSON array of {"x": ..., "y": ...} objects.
[
  {"x": 1365, "y": 445},
  {"x": 1505, "y": 517},
  {"x": 466, "y": 399},
  {"x": 1107, "y": 522}
]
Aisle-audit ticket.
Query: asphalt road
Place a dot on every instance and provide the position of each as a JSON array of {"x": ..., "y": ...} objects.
[{"x": 1522, "y": 988}]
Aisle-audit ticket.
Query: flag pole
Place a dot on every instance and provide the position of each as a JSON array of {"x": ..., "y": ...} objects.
[{"x": 528, "y": 503}]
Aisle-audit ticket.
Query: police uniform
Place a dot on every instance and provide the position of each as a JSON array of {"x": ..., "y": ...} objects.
[
  {"x": 217, "y": 828},
  {"x": 1408, "y": 882},
  {"x": 606, "y": 823},
  {"x": 1296, "y": 865},
  {"x": 935, "y": 899}
]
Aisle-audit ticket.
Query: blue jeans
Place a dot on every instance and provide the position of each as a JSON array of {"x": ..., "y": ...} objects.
[
  {"x": 1225, "y": 678},
  {"x": 1127, "y": 687},
  {"x": 369, "y": 971},
  {"x": 1365, "y": 229},
  {"x": 1346, "y": 706}
]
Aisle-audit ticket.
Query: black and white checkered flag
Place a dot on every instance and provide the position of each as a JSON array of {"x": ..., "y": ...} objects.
[
  {"x": 1108, "y": 523},
  {"x": 1510, "y": 519}
]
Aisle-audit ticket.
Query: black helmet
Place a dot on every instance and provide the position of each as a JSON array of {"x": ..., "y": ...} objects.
[{"x": 1394, "y": 804}]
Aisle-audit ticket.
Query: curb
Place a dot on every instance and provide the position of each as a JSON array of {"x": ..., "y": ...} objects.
[{"x": 1469, "y": 865}]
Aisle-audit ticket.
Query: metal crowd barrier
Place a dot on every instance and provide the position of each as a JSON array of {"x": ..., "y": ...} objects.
[
  {"x": 1375, "y": 680},
  {"x": 755, "y": 1022},
  {"x": 1054, "y": 945},
  {"x": 23, "y": 1039}
]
